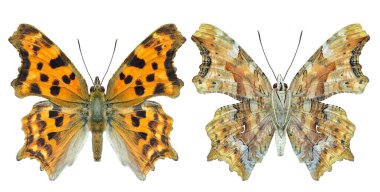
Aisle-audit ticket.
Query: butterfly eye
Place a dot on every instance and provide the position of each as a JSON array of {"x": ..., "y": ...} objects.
[
  {"x": 275, "y": 86},
  {"x": 286, "y": 86},
  {"x": 92, "y": 89},
  {"x": 102, "y": 89}
]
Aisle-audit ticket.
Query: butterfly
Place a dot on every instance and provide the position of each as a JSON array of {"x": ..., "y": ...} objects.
[
  {"x": 56, "y": 129},
  {"x": 319, "y": 133}
]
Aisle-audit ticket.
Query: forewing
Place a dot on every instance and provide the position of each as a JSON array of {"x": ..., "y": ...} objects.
[
  {"x": 334, "y": 68},
  {"x": 140, "y": 136},
  {"x": 320, "y": 135},
  {"x": 148, "y": 71},
  {"x": 240, "y": 135},
  {"x": 45, "y": 70},
  {"x": 54, "y": 136},
  {"x": 226, "y": 67}
]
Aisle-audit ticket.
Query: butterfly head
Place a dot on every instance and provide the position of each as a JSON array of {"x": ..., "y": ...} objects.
[
  {"x": 280, "y": 85},
  {"x": 97, "y": 86}
]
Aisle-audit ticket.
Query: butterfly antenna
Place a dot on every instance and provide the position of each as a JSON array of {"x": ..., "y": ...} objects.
[
  {"x": 299, "y": 42},
  {"x": 80, "y": 50},
  {"x": 258, "y": 32},
  {"x": 114, "y": 48}
]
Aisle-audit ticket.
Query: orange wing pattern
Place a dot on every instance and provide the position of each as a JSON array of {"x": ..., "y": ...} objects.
[
  {"x": 140, "y": 136},
  {"x": 45, "y": 70},
  {"x": 53, "y": 135},
  {"x": 148, "y": 71},
  {"x": 334, "y": 68}
]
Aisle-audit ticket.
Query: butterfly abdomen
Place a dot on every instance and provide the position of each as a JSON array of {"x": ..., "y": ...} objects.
[{"x": 97, "y": 121}]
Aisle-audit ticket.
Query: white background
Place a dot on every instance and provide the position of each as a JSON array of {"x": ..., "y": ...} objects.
[{"x": 97, "y": 24}]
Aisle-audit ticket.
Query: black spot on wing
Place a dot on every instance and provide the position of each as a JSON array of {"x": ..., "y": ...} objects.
[
  {"x": 128, "y": 79},
  {"x": 158, "y": 49},
  {"x": 59, "y": 121},
  {"x": 34, "y": 88},
  {"x": 154, "y": 66},
  {"x": 57, "y": 62},
  {"x": 54, "y": 90},
  {"x": 36, "y": 49},
  {"x": 141, "y": 114},
  {"x": 56, "y": 82},
  {"x": 150, "y": 77},
  {"x": 153, "y": 142},
  {"x": 160, "y": 88},
  {"x": 122, "y": 76},
  {"x": 72, "y": 76},
  {"x": 39, "y": 66},
  {"x": 138, "y": 82},
  {"x": 41, "y": 142},
  {"x": 143, "y": 135},
  {"x": 137, "y": 62},
  {"x": 53, "y": 114},
  {"x": 135, "y": 121},
  {"x": 139, "y": 90},
  {"x": 44, "y": 78},
  {"x": 51, "y": 135},
  {"x": 66, "y": 79}
]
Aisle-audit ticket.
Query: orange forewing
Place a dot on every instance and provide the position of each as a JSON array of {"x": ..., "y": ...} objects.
[
  {"x": 148, "y": 71},
  {"x": 45, "y": 70}
]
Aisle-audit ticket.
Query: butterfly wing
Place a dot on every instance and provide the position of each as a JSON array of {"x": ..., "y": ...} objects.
[
  {"x": 45, "y": 70},
  {"x": 139, "y": 130},
  {"x": 240, "y": 133},
  {"x": 148, "y": 71},
  {"x": 54, "y": 136},
  {"x": 334, "y": 68},
  {"x": 140, "y": 136},
  {"x": 226, "y": 67},
  {"x": 320, "y": 133}
]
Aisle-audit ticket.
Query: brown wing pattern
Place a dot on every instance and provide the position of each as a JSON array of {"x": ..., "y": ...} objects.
[
  {"x": 320, "y": 135},
  {"x": 334, "y": 68},
  {"x": 226, "y": 67},
  {"x": 45, "y": 70},
  {"x": 241, "y": 134}
]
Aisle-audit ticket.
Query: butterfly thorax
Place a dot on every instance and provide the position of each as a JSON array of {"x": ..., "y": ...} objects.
[
  {"x": 281, "y": 107},
  {"x": 97, "y": 118}
]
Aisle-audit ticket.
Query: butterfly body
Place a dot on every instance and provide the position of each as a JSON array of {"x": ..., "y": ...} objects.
[
  {"x": 97, "y": 117},
  {"x": 281, "y": 100},
  {"x": 56, "y": 129}
]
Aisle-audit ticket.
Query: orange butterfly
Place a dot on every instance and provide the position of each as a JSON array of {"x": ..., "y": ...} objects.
[{"x": 138, "y": 129}]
